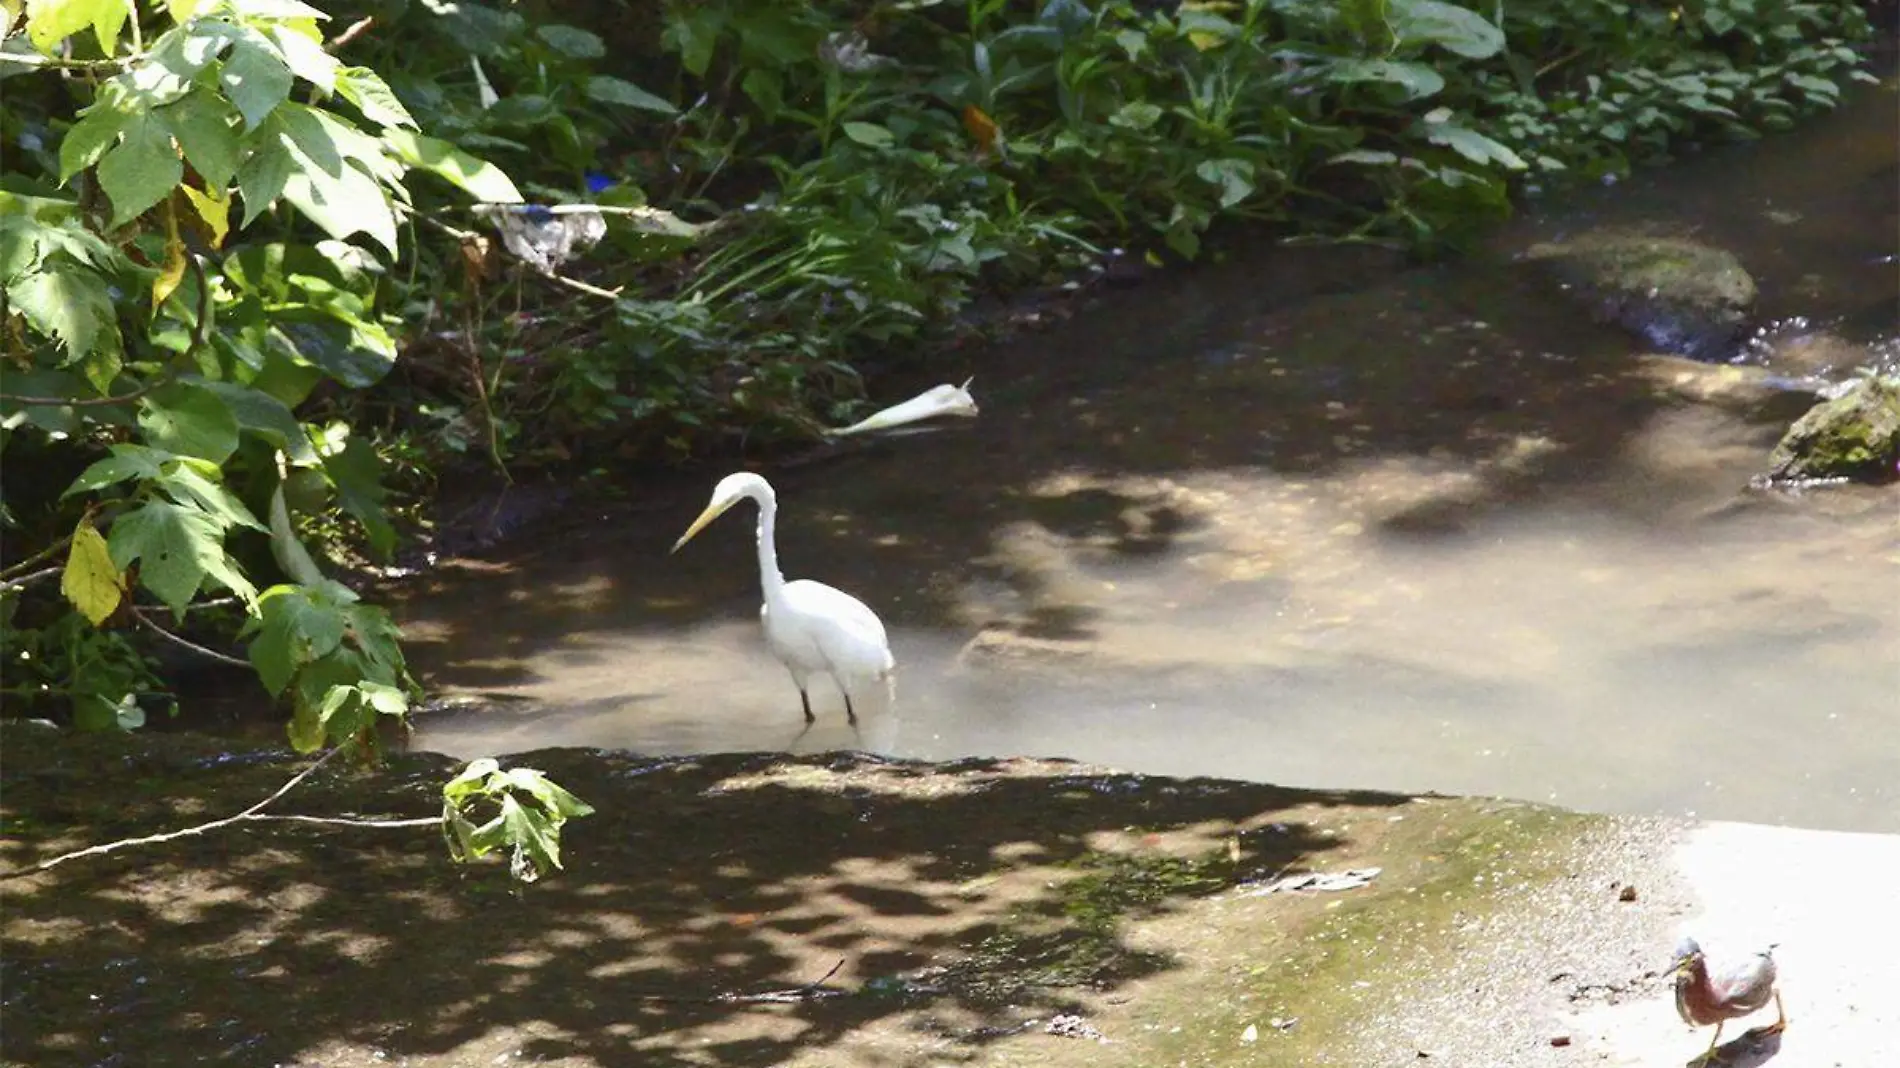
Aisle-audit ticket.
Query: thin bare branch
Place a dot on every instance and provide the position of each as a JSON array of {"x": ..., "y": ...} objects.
[
  {"x": 209, "y": 654},
  {"x": 11, "y": 585}
]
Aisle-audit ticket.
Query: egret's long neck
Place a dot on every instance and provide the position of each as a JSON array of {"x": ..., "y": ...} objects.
[{"x": 769, "y": 575}]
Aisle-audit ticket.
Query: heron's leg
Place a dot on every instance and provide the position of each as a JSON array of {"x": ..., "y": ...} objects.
[
  {"x": 805, "y": 699},
  {"x": 1780, "y": 1024},
  {"x": 849, "y": 712},
  {"x": 1708, "y": 1055}
]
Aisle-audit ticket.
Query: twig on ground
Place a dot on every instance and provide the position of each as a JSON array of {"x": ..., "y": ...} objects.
[
  {"x": 810, "y": 991},
  {"x": 254, "y": 814}
]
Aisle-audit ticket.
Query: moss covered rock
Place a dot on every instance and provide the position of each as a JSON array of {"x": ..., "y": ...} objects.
[
  {"x": 1855, "y": 435},
  {"x": 1681, "y": 296}
]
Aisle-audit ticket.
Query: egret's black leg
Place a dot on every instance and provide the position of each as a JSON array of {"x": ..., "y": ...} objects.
[
  {"x": 806, "y": 699},
  {"x": 849, "y": 712}
]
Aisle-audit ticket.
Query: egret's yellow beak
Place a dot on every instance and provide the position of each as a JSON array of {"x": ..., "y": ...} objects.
[{"x": 712, "y": 512}]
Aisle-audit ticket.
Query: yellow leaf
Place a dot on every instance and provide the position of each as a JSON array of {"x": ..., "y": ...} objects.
[
  {"x": 214, "y": 208},
  {"x": 982, "y": 129},
  {"x": 181, "y": 10},
  {"x": 91, "y": 583},
  {"x": 48, "y": 22},
  {"x": 173, "y": 272},
  {"x": 10, "y": 14}
]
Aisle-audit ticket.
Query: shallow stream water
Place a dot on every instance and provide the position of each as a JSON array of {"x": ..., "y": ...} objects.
[{"x": 1306, "y": 518}]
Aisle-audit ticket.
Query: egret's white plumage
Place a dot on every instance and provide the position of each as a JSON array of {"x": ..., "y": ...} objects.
[{"x": 812, "y": 628}]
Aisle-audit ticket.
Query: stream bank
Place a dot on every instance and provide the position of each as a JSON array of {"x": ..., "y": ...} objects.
[{"x": 754, "y": 910}]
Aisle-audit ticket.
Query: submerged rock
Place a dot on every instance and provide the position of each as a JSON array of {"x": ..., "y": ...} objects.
[
  {"x": 1856, "y": 435},
  {"x": 1755, "y": 393},
  {"x": 1681, "y": 296}
]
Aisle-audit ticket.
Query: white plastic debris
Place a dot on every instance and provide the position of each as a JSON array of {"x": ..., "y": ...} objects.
[{"x": 938, "y": 401}]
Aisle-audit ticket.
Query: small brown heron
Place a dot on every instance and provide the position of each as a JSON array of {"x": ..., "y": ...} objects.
[{"x": 1703, "y": 999}]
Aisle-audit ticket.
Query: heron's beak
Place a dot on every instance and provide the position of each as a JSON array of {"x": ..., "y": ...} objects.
[{"x": 712, "y": 512}]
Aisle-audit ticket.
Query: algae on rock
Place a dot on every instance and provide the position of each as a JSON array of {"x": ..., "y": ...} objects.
[
  {"x": 1682, "y": 296},
  {"x": 1855, "y": 435}
]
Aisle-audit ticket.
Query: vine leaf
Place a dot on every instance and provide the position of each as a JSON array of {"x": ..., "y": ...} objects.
[
  {"x": 189, "y": 421},
  {"x": 142, "y": 170},
  {"x": 91, "y": 582},
  {"x": 177, "y": 549}
]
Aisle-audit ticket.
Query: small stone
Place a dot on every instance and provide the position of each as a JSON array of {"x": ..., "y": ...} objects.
[
  {"x": 1560, "y": 1040},
  {"x": 1628, "y": 893}
]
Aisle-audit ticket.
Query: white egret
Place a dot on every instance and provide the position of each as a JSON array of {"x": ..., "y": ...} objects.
[{"x": 811, "y": 627}]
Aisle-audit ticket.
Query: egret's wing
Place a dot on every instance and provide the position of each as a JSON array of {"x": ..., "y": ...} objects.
[{"x": 865, "y": 647}]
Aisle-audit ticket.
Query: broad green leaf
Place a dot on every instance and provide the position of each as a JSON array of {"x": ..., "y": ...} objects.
[
  {"x": 127, "y": 461},
  {"x": 1473, "y": 145},
  {"x": 97, "y": 131},
  {"x": 190, "y": 421},
  {"x": 305, "y": 57},
  {"x": 1459, "y": 30},
  {"x": 1369, "y": 157},
  {"x": 469, "y": 781},
  {"x": 326, "y": 181},
  {"x": 356, "y": 473},
  {"x": 572, "y": 42},
  {"x": 371, "y": 95},
  {"x": 261, "y": 179},
  {"x": 482, "y": 180},
  {"x": 266, "y": 416},
  {"x": 101, "y": 367},
  {"x": 1136, "y": 115},
  {"x": 355, "y": 353},
  {"x": 868, "y": 133},
  {"x": 295, "y": 629},
  {"x": 1417, "y": 79},
  {"x": 387, "y": 700},
  {"x": 205, "y": 125},
  {"x": 1233, "y": 176},
  {"x": 255, "y": 79},
  {"x": 67, "y": 302},
  {"x": 142, "y": 170},
  {"x": 610, "y": 90},
  {"x": 174, "y": 547},
  {"x": 1206, "y": 30},
  {"x": 528, "y": 831},
  {"x": 552, "y": 797},
  {"x": 91, "y": 582},
  {"x": 187, "y": 485}
]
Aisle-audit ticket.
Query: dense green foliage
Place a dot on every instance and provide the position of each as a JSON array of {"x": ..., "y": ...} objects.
[
  {"x": 158, "y": 338},
  {"x": 241, "y": 280}
]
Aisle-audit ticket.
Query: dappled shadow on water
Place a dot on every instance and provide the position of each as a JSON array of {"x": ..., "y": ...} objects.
[
  {"x": 1302, "y": 367},
  {"x": 960, "y": 905}
]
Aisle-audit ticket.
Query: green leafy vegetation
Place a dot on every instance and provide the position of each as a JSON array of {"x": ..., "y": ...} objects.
[
  {"x": 155, "y": 359},
  {"x": 257, "y": 260}
]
